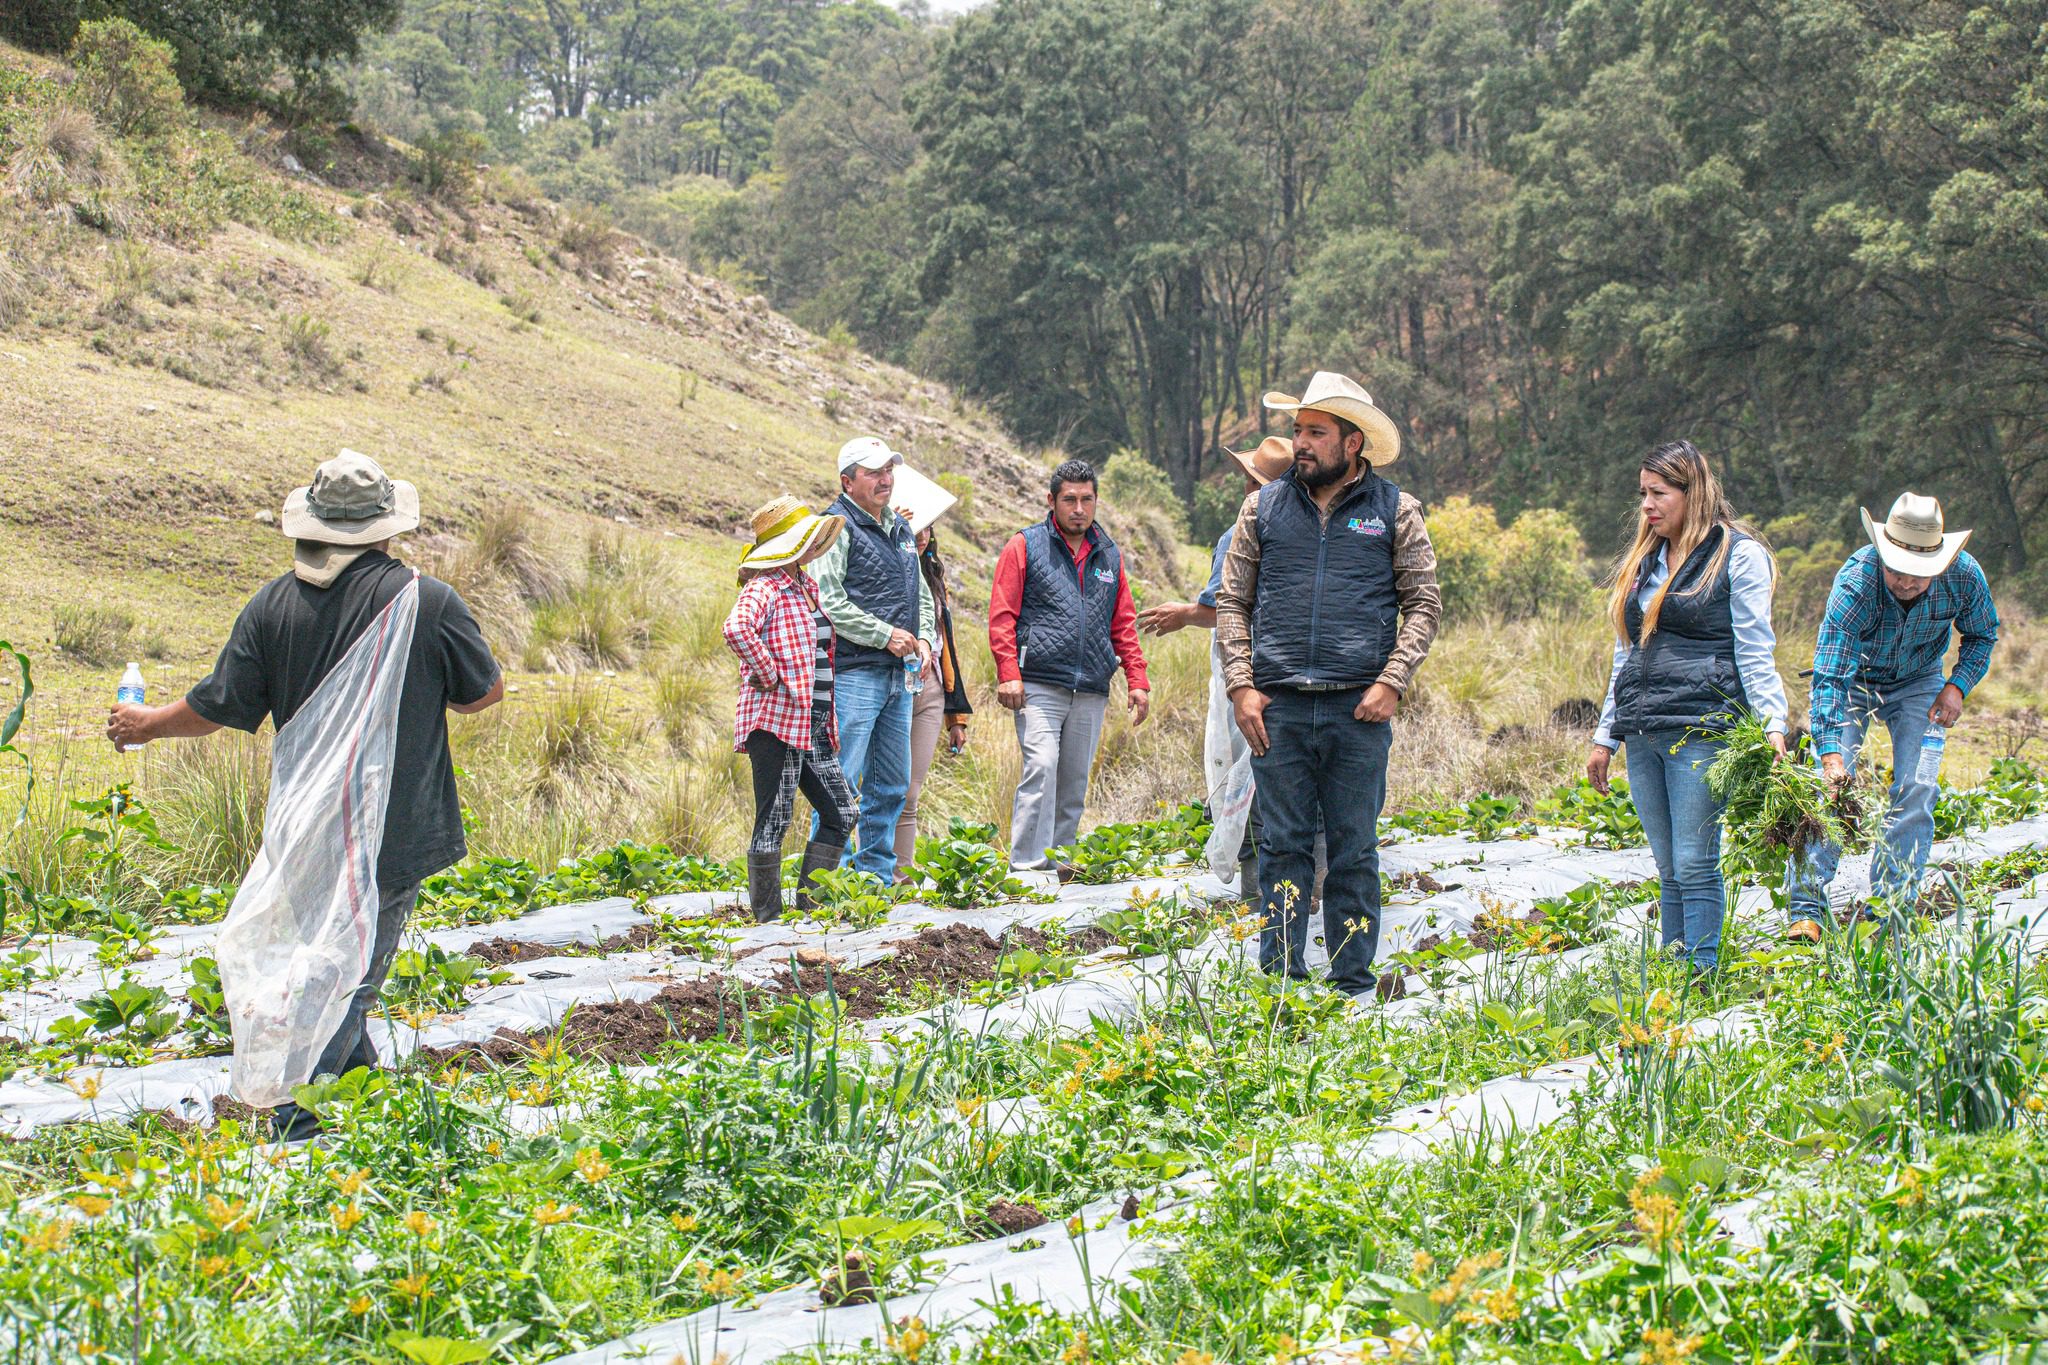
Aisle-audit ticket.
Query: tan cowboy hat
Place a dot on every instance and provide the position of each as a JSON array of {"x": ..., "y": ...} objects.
[
  {"x": 787, "y": 533},
  {"x": 1340, "y": 396},
  {"x": 1911, "y": 540},
  {"x": 1266, "y": 461},
  {"x": 351, "y": 502}
]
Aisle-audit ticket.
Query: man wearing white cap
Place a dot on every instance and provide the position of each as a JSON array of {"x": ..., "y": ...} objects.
[
  {"x": 1890, "y": 617},
  {"x": 1329, "y": 605},
  {"x": 883, "y": 617}
]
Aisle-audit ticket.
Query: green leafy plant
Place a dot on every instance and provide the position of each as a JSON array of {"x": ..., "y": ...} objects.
[
  {"x": 964, "y": 874},
  {"x": 1775, "y": 807},
  {"x": 434, "y": 978}
]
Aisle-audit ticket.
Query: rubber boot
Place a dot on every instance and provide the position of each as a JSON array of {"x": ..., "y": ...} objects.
[
  {"x": 764, "y": 886},
  {"x": 817, "y": 858},
  {"x": 1248, "y": 882}
]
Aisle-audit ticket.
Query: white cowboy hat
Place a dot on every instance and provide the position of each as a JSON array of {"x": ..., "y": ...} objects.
[
  {"x": 1267, "y": 460},
  {"x": 788, "y": 533},
  {"x": 351, "y": 502},
  {"x": 869, "y": 452},
  {"x": 1911, "y": 540},
  {"x": 1340, "y": 396}
]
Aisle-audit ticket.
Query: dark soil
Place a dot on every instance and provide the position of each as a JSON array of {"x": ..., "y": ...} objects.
[
  {"x": 1007, "y": 1217},
  {"x": 953, "y": 958},
  {"x": 1415, "y": 881},
  {"x": 502, "y": 952},
  {"x": 228, "y": 1107}
]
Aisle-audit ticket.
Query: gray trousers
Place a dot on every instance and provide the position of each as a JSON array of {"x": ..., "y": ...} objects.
[
  {"x": 350, "y": 1047},
  {"x": 1057, "y": 731}
]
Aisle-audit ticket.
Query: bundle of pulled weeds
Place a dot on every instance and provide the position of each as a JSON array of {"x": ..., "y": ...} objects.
[{"x": 1776, "y": 807}]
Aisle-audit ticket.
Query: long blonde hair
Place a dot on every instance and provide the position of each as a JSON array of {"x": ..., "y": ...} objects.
[{"x": 1680, "y": 464}]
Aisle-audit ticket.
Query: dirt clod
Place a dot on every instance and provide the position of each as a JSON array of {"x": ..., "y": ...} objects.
[
  {"x": 849, "y": 1283},
  {"x": 1014, "y": 1216}
]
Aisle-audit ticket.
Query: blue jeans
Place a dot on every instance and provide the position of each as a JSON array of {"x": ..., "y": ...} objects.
[
  {"x": 1682, "y": 821},
  {"x": 874, "y": 753},
  {"x": 1324, "y": 770},
  {"x": 1909, "y": 829}
]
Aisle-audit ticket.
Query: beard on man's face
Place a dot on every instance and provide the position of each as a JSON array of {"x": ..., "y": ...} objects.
[{"x": 1319, "y": 474}]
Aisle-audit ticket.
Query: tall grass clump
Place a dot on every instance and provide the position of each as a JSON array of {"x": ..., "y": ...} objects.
[
  {"x": 623, "y": 604},
  {"x": 104, "y": 636},
  {"x": 579, "y": 746},
  {"x": 209, "y": 796}
]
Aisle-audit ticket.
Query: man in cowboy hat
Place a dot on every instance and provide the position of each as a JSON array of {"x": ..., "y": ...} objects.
[
  {"x": 882, "y": 612},
  {"x": 1889, "y": 620},
  {"x": 1328, "y": 606},
  {"x": 1223, "y": 742},
  {"x": 1060, "y": 624},
  {"x": 290, "y": 635}
]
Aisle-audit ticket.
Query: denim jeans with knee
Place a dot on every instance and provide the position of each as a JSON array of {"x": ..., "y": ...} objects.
[
  {"x": 1322, "y": 766},
  {"x": 1909, "y": 828},
  {"x": 874, "y": 754},
  {"x": 1667, "y": 780}
]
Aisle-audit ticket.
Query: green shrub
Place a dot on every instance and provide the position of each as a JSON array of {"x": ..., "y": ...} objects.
[
  {"x": 104, "y": 636},
  {"x": 1133, "y": 484},
  {"x": 1535, "y": 565},
  {"x": 444, "y": 165},
  {"x": 128, "y": 77},
  {"x": 1215, "y": 511}
]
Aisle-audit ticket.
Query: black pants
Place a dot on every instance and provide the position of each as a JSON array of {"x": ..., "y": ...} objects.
[
  {"x": 780, "y": 772},
  {"x": 350, "y": 1047}
]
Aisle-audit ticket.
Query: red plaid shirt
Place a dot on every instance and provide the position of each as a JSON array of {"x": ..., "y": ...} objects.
[{"x": 774, "y": 629}]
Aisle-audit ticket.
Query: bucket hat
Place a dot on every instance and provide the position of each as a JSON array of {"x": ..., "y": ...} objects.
[
  {"x": 351, "y": 501},
  {"x": 1267, "y": 460},
  {"x": 1341, "y": 396},
  {"x": 787, "y": 533},
  {"x": 1912, "y": 540}
]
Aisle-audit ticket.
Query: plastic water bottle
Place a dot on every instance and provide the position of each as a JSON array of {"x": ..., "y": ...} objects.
[
  {"x": 913, "y": 673},
  {"x": 130, "y": 693},
  {"x": 1931, "y": 745}
]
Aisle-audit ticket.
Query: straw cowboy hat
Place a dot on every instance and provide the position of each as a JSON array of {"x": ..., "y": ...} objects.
[
  {"x": 1911, "y": 539},
  {"x": 1266, "y": 461},
  {"x": 1340, "y": 396},
  {"x": 787, "y": 533},
  {"x": 351, "y": 502}
]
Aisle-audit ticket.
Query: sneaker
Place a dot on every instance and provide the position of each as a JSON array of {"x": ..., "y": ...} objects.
[{"x": 1805, "y": 931}]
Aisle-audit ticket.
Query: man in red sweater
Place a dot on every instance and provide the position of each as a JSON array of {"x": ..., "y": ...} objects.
[{"x": 1060, "y": 623}]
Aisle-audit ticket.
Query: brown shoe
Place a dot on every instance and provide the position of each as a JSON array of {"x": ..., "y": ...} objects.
[{"x": 1805, "y": 931}]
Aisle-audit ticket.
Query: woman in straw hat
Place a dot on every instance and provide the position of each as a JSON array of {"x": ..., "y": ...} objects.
[
  {"x": 784, "y": 723},
  {"x": 1691, "y": 609}
]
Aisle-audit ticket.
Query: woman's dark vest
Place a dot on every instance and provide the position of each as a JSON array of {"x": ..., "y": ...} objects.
[
  {"x": 1063, "y": 623},
  {"x": 881, "y": 579},
  {"x": 1326, "y": 612},
  {"x": 1686, "y": 677}
]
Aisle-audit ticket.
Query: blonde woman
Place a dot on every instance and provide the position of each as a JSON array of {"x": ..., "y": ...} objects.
[
  {"x": 784, "y": 723},
  {"x": 1691, "y": 609}
]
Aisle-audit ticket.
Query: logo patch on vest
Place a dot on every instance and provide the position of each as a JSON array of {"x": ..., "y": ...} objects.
[
  {"x": 1366, "y": 526},
  {"x": 1105, "y": 575}
]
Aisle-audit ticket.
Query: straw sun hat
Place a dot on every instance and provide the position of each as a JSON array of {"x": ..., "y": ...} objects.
[
  {"x": 1912, "y": 539},
  {"x": 1341, "y": 396},
  {"x": 787, "y": 533}
]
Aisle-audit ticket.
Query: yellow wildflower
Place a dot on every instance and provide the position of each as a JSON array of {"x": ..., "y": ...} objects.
[
  {"x": 1912, "y": 1188},
  {"x": 551, "y": 1213},
  {"x": 88, "y": 1087},
  {"x": 359, "y": 1305},
  {"x": 493, "y": 1147},
  {"x": 1071, "y": 1086},
  {"x": 1113, "y": 1072},
  {"x": 1658, "y": 1216},
  {"x": 413, "y": 1287},
  {"x": 970, "y": 1109},
  {"x": 91, "y": 1205},
  {"x": 686, "y": 1223},
  {"x": 1285, "y": 1349},
  {"x": 1077, "y": 1352},
  {"x": 345, "y": 1216},
  {"x": 591, "y": 1165},
  {"x": 1469, "y": 1269},
  {"x": 47, "y": 1237},
  {"x": 1075, "y": 1226},
  {"x": 352, "y": 1184},
  {"x": 1421, "y": 1265},
  {"x": 1663, "y": 1346},
  {"x": 1194, "y": 1357},
  {"x": 88, "y": 1349},
  {"x": 228, "y": 1215},
  {"x": 418, "y": 1224},
  {"x": 723, "y": 1284},
  {"x": 211, "y": 1266},
  {"x": 909, "y": 1340}
]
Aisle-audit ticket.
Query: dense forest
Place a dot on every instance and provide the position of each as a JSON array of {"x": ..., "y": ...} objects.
[{"x": 1810, "y": 234}]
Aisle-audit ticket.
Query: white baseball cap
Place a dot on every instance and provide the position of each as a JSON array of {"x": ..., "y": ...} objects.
[{"x": 869, "y": 452}]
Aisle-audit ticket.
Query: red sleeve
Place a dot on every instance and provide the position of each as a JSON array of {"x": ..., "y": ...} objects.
[
  {"x": 1123, "y": 633},
  {"x": 1005, "y": 596}
]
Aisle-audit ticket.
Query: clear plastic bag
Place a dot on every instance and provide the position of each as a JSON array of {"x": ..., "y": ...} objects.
[
  {"x": 1221, "y": 741},
  {"x": 1227, "y": 765},
  {"x": 298, "y": 939}
]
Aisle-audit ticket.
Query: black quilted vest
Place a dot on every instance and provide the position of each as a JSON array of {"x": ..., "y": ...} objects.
[
  {"x": 1326, "y": 612},
  {"x": 1685, "y": 678},
  {"x": 1063, "y": 624}
]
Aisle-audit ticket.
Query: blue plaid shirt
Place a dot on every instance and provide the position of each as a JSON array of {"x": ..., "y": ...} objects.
[{"x": 1868, "y": 640}]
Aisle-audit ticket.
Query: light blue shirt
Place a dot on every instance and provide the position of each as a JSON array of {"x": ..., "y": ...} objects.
[
  {"x": 1756, "y": 662},
  {"x": 1208, "y": 597}
]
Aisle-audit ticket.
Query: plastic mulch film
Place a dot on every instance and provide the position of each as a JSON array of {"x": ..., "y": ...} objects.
[{"x": 297, "y": 941}]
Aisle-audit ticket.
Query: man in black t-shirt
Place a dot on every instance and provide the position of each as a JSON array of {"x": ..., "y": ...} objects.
[{"x": 290, "y": 636}]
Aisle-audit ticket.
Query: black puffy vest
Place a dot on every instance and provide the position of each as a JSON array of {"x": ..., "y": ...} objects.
[
  {"x": 1685, "y": 678},
  {"x": 1063, "y": 623},
  {"x": 1326, "y": 611},
  {"x": 881, "y": 579}
]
